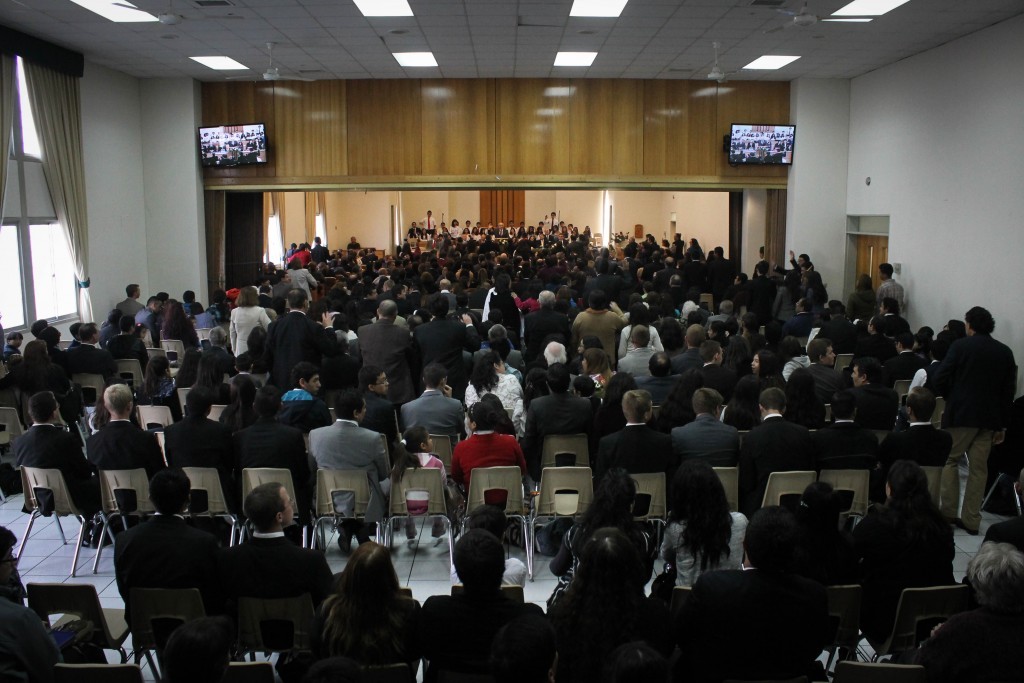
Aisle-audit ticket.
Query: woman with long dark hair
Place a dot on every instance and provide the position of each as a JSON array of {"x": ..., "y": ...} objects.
[
  {"x": 802, "y": 403},
  {"x": 127, "y": 344},
  {"x": 609, "y": 418},
  {"x": 209, "y": 376},
  {"x": 677, "y": 410},
  {"x": 743, "y": 410},
  {"x": 188, "y": 369},
  {"x": 604, "y": 607},
  {"x": 240, "y": 414},
  {"x": 37, "y": 372},
  {"x": 702, "y": 535},
  {"x": 768, "y": 369},
  {"x": 367, "y": 618},
  {"x": 490, "y": 376},
  {"x": 158, "y": 387},
  {"x": 176, "y": 325},
  {"x": 903, "y": 544}
]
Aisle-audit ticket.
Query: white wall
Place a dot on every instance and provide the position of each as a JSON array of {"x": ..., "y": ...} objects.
[
  {"x": 463, "y": 205},
  {"x": 367, "y": 215},
  {"x": 816, "y": 198},
  {"x": 755, "y": 203},
  {"x": 704, "y": 215},
  {"x": 579, "y": 207},
  {"x": 116, "y": 210},
  {"x": 939, "y": 135},
  {"x": 175, "y": 224},
  {"x": 540, "y": 204}
]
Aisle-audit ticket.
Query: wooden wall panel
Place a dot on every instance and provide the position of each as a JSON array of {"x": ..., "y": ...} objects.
[
  {"x": 502, "y": 206},
  {"x": 751, "y": 102},
  {"x": 532, "y": 129},
  {"x": 606, "y": 128},
  {"x": 458, "y": 126},
  {"x": 237, "y": 103},
  {"x": 679, "y": 128},
  {"x": 310, "y": 129},
  {"x": 384, "y": 128}
]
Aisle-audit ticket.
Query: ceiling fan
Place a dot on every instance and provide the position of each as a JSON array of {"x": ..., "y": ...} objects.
[
  {"x": 798, "y": 19},
  {"x": 273, "y": 73},
  {"x": 169, "y": 18},
  {"x": 716, "y": 73}
]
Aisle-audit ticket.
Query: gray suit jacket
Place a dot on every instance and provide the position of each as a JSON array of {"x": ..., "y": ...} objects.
[
  {"x": 345, "y": 446},
  {"x": 637, "y": 362},
  {"x": 826, "y": 381},
  {"x": 435, "y": 411},
  {"x": 704, "y": 436}
]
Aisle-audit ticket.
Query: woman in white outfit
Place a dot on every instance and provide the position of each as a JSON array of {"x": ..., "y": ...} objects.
[
  {"x": 247, "y": 316},
  {"x": 489, "y": 376}
]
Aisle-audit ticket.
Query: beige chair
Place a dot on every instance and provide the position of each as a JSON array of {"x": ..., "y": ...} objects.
[
  {"x": 708, "y": 299},
  {"x": 175, "y": 350},
  {"x": 207, "y": 480},
  {"x": 680, "y": 594},
  {"x": 902, "y": 388},
  {"x": 564, "y": 492},
  {"x": 484, "y": 480},
  {"x": 97, "y": 673},
  {"x": 329, "y": 482},
  {"x": 130, "y": 369},
  {"x": 916, "y": 605},
  {"x": 254, "y": 614},
  {"x": 878, "y": 672},
  {"x": 182, "y": 395},
  {"x": 64, "y": 344},
  {"x": 652, "y": 486},
  {"x": 934, "y": 475},
  {"x": 855, "y": 481},
  {"x": 555, "y": 444},
  {"x": 420, "y": 481},
  {"x": 387, "y": 451},
  {"x": 786, "y": 483},
  {"x": 255, "y": 476},
  {"x": 154, "y": 352},
  {"x": 120, "y": 489},
  {"x": 36, "y": 481},
  {"x": 216, "y": 411},
  {"x": 12, "y": 426},
  {"x": 730, "y": 478},
  {"x": 158, "y": 611},
  {"x": 92, "y": 386},
  {"x": 844, "y": 612},
  {"x": 443, "y": 449},
  {"x": 940, "y": 408},
  {"x": 80, "y": 601},
  {"x": 843, "y": 361},
  {"x": 161, "y": 441},
  {"x": 154, "y": 415},
  {"x": 512, "y": 592},
  {"x": 203, "y": 333},
  {"x": 880, "y": 434}
]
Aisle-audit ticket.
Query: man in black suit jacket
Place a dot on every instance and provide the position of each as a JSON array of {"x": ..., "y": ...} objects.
[
  {"x": 978, "y": 377},
  {"x": 606, "y": 281},
  {"x": 319, "y": 253},
  {"x": 777, "y": 619},
  {"x": 722, "y": 380},
  {"x": 773, "y": 446},
  {"x": 695, "y": 274},
  {"x": 443, "y": 341},
  {"x": 660, "y": 383},
  {"x": 906, "y": 363},
  {"x": 88, "y": 357},
  {"x": 636, "y": 448},
  {"x": 721, "y": 273},
  {"x": 558, "y": 413},
  {"x": 542, "y": 324},
  {"x": 844, "y": 444},
  {"x": 47, "y": 446},
  {"x": 877, "y": 405},
  {"x": 838, "y": 329},
  {"x": 875, "y": 344},
  {"x": 197, "y": 441},
  {"x": 165, "y": 552},
  {"x": 920, "y": 442},
  {"x": 894, "y": 324},
  {"x": 269, "y": 565},
  {"x": 822, "y": 368},
  {"x": 293, "y": 338},
  {"x": 690, "y": 358},
  {"x": 122, "y": 444},
  {"x": 762, "y": 293},
  {"x": 380, "y": 412}
]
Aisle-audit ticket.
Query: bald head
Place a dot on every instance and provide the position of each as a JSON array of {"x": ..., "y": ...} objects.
[{"x": 387, "y": 309}]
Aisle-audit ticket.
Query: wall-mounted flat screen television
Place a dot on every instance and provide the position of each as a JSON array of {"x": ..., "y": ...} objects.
[
  {"x": 225, "y": 146},
  {"x": 761, "y": 144}
]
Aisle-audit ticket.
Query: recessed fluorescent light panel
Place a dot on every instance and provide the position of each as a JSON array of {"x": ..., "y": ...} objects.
[
  {"x": 868, "y": 8},
  {"x": 575, "y": 58},
  {"x": 384, "y": 8},
  {"x": 597, "y": 8},
  {"x": 121, "y": 12},
  {"x": 853, "y": 20},
  {"x": 567, "y": 91},
  {"x": 415, "y": 58},
  {"x": 768, "y": 62},
  {"x": 220, "y": 63}
]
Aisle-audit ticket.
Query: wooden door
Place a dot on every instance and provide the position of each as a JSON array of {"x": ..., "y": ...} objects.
[
  {"x": 502, "y": 206},
  {"x": 871, "y": 251}
]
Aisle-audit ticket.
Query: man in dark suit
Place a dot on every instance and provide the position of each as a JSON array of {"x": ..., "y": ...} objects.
[
  {"x": 122, "y": 444},
  {"x": 839, "y": 329},
  {"x": 197, "y": 441},
  {"x": 875, "y": 344},
  {"x": 88, "y": 357},
  {"x": 721, "y": 273},
  {"x": 777, "y": 619},
  {"x": 47, "y": 446},
  {"x": 165, "y": 552},
  {"x": 706, "y": 436},
  {"x": 293, "y": 338},
  {"x": 894, "y": 324},
  {"x": 443, "y": 341},
  {"x": 695, "y": 274},
  {"x": 218, "y": 349},
  {"x": 877, "y": 404},
  {"x": 920, "y": 442},
  {"x": 541, "y": 324},
  {"x": 636, "y": 448},
  {"x": 773, "y": 446},
  {"x": 1010, "y": 531},
  {"x": 661, "y": 381},
  {"x": 389, "y": 346},
  {"x": 319, "y": 252},
  {"x": 978, "y": 377},
  {"x": 905, "y": 363},
  {"x": 477, "y": 614},
  {"x": 664, "y": 276},
  {"x": 844, "y": 444},
  {"x": 380, "y": 412},
  {"x": 558, "y": 413},
  {"x": 690, "y": 358},
  {"x": 722, "y": 380},
  {"x": 435, "y": 410},
  {"x": 606, "y": 281},
  {"x": 822, "y": 368},
  {"x": 762, "y": 293},
  {"x": 269, "y": 565}
]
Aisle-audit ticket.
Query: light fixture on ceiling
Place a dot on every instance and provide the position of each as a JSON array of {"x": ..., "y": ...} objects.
[
  {"x": 220, "y": 63},
  {"x": 120, "y": 12},
  {"x": 770, "y": 62},
  {"x": 415, "y": 59},
  {"x": 575, "y": 58},
  {"x": 560, "y": 91},
  {"x": 597, "y": 8},
  {"x": 384, "y": 8},
  {"x": 549, "y": 111},
  {"x": 868, "y": 8}
]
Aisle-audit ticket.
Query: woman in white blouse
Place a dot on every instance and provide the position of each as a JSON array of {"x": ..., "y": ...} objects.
[
  {"x": 489, "y": 377},
  {"x": 247, "y": 316}
]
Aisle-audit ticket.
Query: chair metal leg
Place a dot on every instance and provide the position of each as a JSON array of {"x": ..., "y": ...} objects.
[
  {"x": 78, "y": 546},
  {"x": 107, "y": 531},
  {"x": 152, "y": 665},
  {"x": 528, "y": 546},
  {"x": 60, "y": 530},
  {"x": 28, "y": 529}
]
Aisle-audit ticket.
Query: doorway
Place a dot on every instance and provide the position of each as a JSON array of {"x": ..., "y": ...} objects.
[{"x": 871, "y": 251}]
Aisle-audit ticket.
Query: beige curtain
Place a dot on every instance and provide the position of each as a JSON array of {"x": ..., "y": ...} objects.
[
  {"x": 273, "y": 205},
  {"x": 57, "y": 108},
  {"x": 311, "y": 211},
  {"x": 214, "y": 201},
  {"x": 775, "y": 228},
  {"x": 7, "y": 95}
]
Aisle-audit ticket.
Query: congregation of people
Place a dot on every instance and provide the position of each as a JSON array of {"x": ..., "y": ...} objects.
[{"x": 480, "y": 346}]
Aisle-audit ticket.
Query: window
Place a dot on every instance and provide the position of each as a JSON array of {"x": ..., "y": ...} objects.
[
  {"x": 275, "y": 245},
  {"x": 37, "y": 276},
  {"x": 321, "y": 229}
]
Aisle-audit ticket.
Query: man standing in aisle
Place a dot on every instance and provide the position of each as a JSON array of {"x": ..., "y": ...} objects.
[{"x": 890, "y": 288}]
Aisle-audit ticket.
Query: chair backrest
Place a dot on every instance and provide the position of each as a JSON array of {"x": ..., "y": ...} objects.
[
  {"x": 922, "y": 604},
  {"x": 443, "y": 449},
  {"x": 131, "y": 369},
  {"x": 828, "y": 413},
  {"x": 249, "y": 672},
  {"x": 855, "y": 481},
  {"x": 512, "y": 592},
  {"x": 153, "y": 352},
  {"x": 565, "y": 491},
  {"x": 207, "y": 479},
  {"x": 12, "y": 424},
  {"x": 577, "y": 444},
  {"x": 97, "y": 673},
  {"x": 708, "y": 299},
  {"x": 508, "y": 479},
  {"x": 158, "y": 611},
  {"x": 880, "y": 434},
  {"x": 844, "y": 612},
  {"x": 203, "y": 332},
  {"x": 88, "y": 380},
  {"x": 216, "y": 411},
  {"x": 679, "y": 595},
  {"x": 653, "y": 486},
  {"x": 260, "y": 618},
  {"x": 902, "y": 388},
  {"x": 155, "y": 415},
  {"x": 161, "y": 441},
  {"x": 843, "y": 361},
  {"x": 33, "y": 478},
  {"x": 879, "y": 672},
  {"x": 329, "y": 481},
  {"x": 112, "y": 481},
  {"x": 934, "y": 475},
  {"x": 78, "y": 599},
  {"x": 255, "y": 476},
  {"x": 940, "y": 408},
  {"x": 730, "y": 478},
  {"x": 742, "y": 434},
  {"x": 182, "y": 395},
  {"x": 175, "y": 349},
  {"x": 786, "y": 483},
  {"x": 387, "y": 451},
  {"x": 655, "y": 412},
  {"x": 421, "y": 480}
]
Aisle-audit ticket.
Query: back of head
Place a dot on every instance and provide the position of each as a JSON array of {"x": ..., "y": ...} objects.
[
  {"x": 695, "y": 336},
  {"x": 198, "y": 651},
  {"x": 709, "y": 349},
  {"x": 267, "y": 402},
  {"x": 558, "y": 378},
  {"x": 347, "y": 404},
  {"x": 636, "y": 661},
  {"x": 771, "y": 539},
  {"x": 869, "y": 367},
  {"x": 885, "y": 269},
  {"x": 773, "y": 398},
  {"x": 523, "y": 651},
  {"x": 218, "y": 337},
  {"x": 297, "y": 299},
  {"x": 980, "y": 320},
  {"x": 817, "y": 348},
  {"x": 660, "y": 365},
  {"x": 480, "y": 562},
  {"x": 305, "y": 371},
  {"x": 640, "y": 336},
  {"x": 844, "y": 405},
  {"x": 126, "y": 324},
  {"x": 706, "y": 401},
  {"x": 996, "y": 574},
  {"x": 433, "y": 375},
  {"x": 263, "y": 504},
  {"x": 554, "y": 352},
  {"x": 169, "y": 491},
  {"x": 489, "y": 518},
  {"x": 198, "y": 402},
  {"x": 42, "y": 406},
  {"x": 922, "y": 402},
  {"x": 118, "y": 399}
]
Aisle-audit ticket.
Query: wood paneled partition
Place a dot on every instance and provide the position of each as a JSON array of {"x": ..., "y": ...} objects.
[
  {"x": 487, "y": 133},
  {"x": 502, "y": 206}
]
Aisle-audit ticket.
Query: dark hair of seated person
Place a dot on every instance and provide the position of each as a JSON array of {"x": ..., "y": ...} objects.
[
  {"x": 169, "y": 491},
  {"x": 636, "y": 661},
  {"x": 523, "y": 651},
  {"x": 198, "y": 651},
  {"x": 263, "y": 504},
  {"x": 267, "y": 402},
  {"x": 771, "y": 539},
  {"x": 480, "y": 562}
]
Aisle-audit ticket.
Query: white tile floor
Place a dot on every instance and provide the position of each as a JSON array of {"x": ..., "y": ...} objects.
[{"x": 424, "y": 568}]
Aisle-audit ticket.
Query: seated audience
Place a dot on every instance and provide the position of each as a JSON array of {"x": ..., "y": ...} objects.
[
  {"x": 636, "y": 661},
  {"x": 198, "y": 441},
  {"x": 677, "y": 410},
  {"x": 803, "y": 407},
  {"x": 210, "y": 376},
  {"x": 380, "y": 412},
  {"x": 523, "y": 651},
  {"x": 121, "y": 444},
  {"x": 742, "y": 411},
  {"x": 659, "y": 381},
  {"x": 492, "y": 518},
  {"x": 158, "y": 387},
  {"x": 435, "y": 410},
  {"x": 415, "y": 451},
  {"x": 27, "y": 652},
  {"x": 490, "y": 376},
  {"x": 89, "y": 358},
  {"x": 300, "y": 407},
  {"x": 877, "y": 404},
  {"x": 1012, "y": 530},
  {"x": 558, "y": 413},
  {"x": 844, "y": 444},
  {"x": 127, "y": 344},
  {"x": 706, "y": 436},
  {"x": 198, "y": 651},
  {"x": 240, "y": 414},
  {"x": 485, "y": 447},
  {"x": 826, "y": 553}
]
